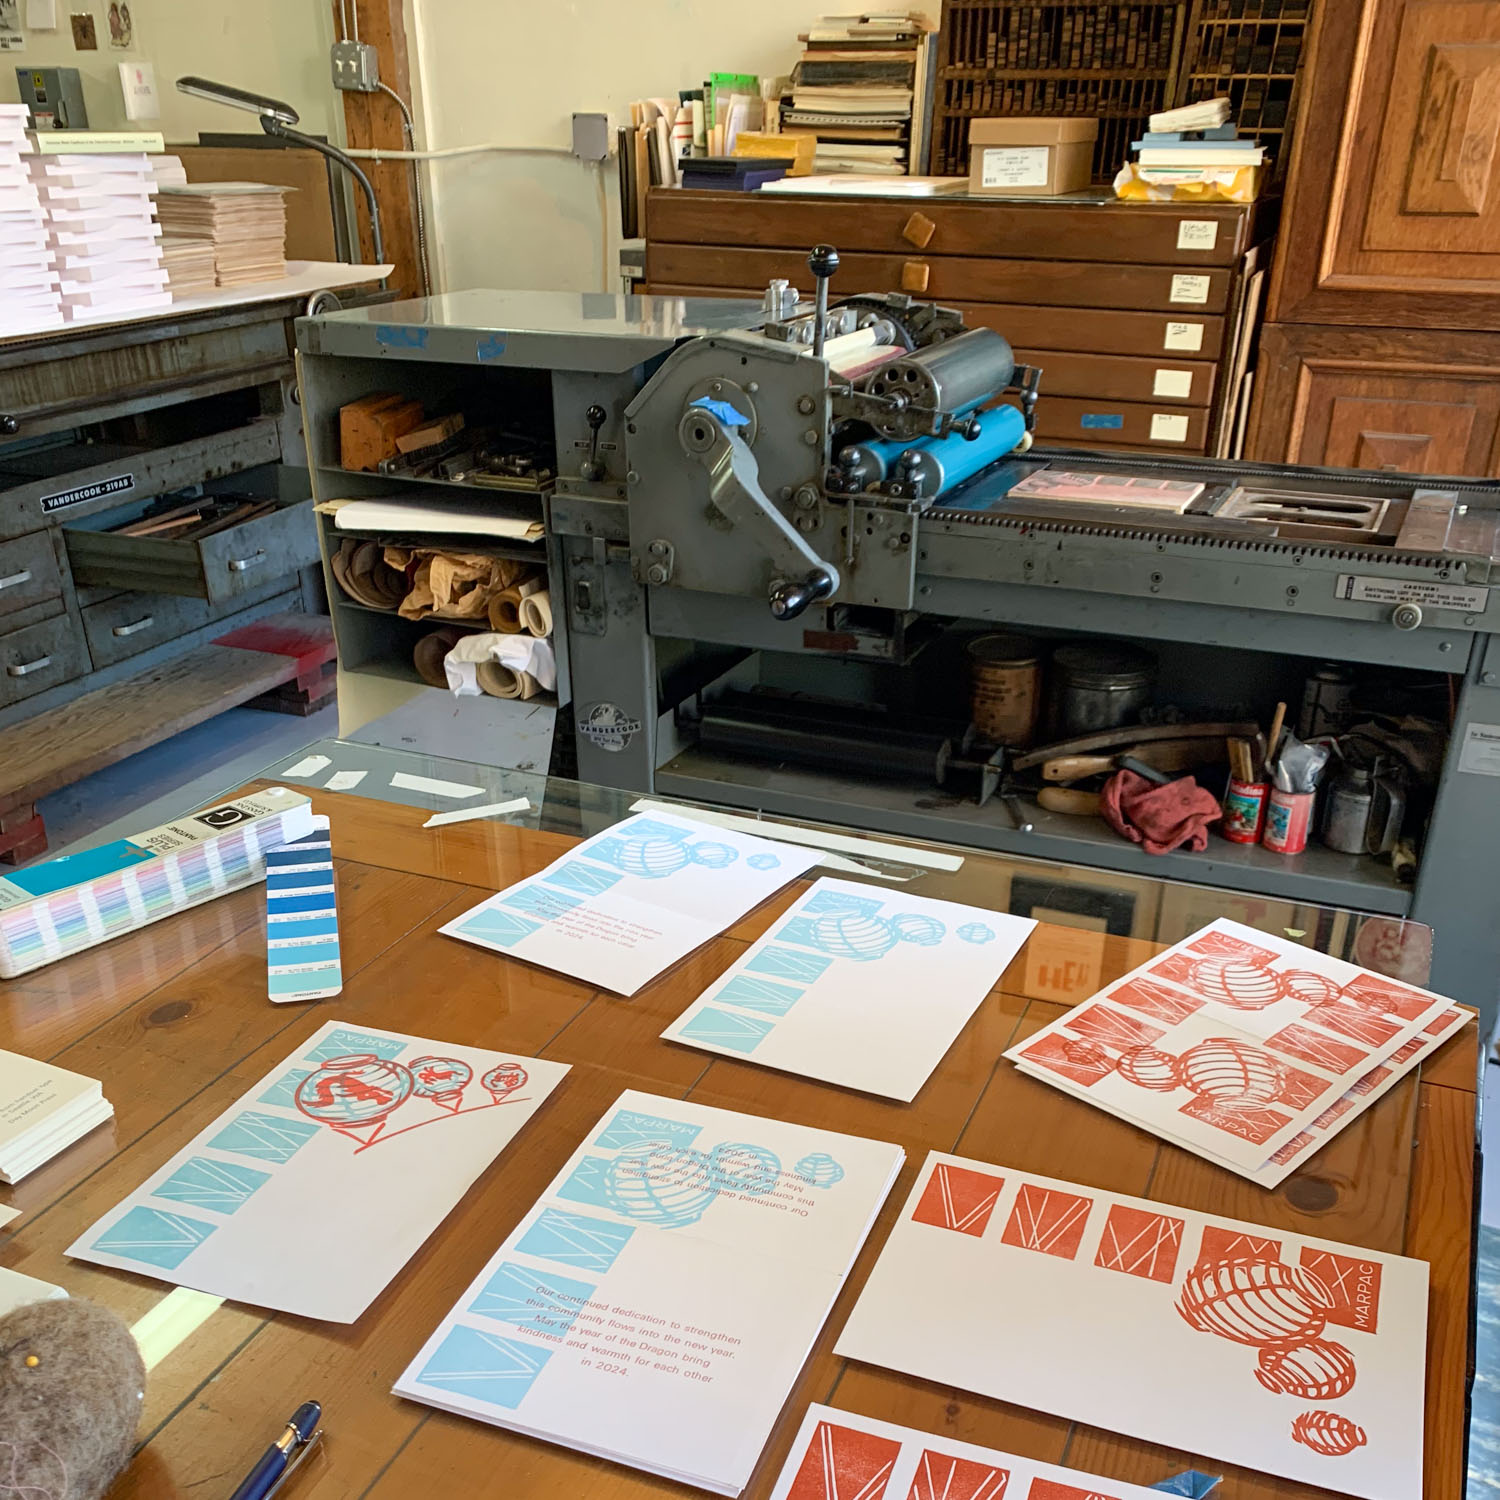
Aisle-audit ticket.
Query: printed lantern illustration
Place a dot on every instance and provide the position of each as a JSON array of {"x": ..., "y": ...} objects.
[
  {"x": 1329, "y": 1433},
  {"x": 1260, "y": 1302},
  {"x": 1313, "y": 989},
  {"x": 1149, "y": 1068},
  {"x": 653, "y": 858},
  {"x": 1230, "y": 1073},
  {"x": 355, "y": 1095},
  {"x": 976, "y": 932},
  {"x": 1236, "y": 982},
  {"x": 742, "y": 1168},
  {"x": 851, "y": 934},
  {"x": 1315, "y": 1371},
  {"x": 660, "y": 1184},
  {"x": 714, "y": 856},
  {"x": 504, "y": 1078},
  {"x": 818, "y": 1169},
  {"x": 913, "y": 927},
  {"x": 763, "y": 862},
  {"x": 441, "y": 1079},
  {"x": 1086, "y": 1054}
]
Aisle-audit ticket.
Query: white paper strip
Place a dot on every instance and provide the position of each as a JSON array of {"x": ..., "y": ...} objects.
[
  {"x": 309, "y": 765},
  {"x": 344, "y": 781},
  {"x": 432, "y": 784},
  {"x": 467, "y": 814}
]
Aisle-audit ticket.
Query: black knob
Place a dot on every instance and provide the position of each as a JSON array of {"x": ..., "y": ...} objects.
[
  {"x": 10, "y": 425},
  {"x": 595, "y": 416},
  {"x": 823, "y": 261}
]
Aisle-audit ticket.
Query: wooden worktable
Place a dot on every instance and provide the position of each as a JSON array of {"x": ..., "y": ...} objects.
[{"x": 175, "y": 1022}]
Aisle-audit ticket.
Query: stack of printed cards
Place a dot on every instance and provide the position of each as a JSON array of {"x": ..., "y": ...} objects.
[
  {"x": 302, "y": 919},
  {"x": 840, "y": 1456},
  {"x": 621, "y": 907},
  {"x": 312, "y": 1191},
  {"x": 1285, "y": 1354},
  {"x": 1241, "y": 1046},
  {"x": 29, "y": 298},
  {"x": 856, "y": 986},
  {"x": 243, "y": 222},
  {"x": 43, "y": 1110},
  {"x": 106, "y": 243},
  {"x": 655, "y": 1305}
]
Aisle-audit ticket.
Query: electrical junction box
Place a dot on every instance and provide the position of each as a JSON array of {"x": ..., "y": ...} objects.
[
  {"x": 356, "y": 67},
  {"x": 591, "y": 137},
  {"x": 54, "y": 97}
]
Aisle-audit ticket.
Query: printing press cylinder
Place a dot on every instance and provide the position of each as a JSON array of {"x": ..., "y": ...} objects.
[
  {"x": 930, "y": 467},
  {"x": 952, "y": 377}
]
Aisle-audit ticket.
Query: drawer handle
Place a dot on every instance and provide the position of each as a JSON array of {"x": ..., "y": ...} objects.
[
  {"x": 24, "y": 576},
  {"x": 21, "y": 668},
  {"x": 244, "y": 564},
  {"x": 135, "y": 625},
  {"x": 915, "y": 275}
]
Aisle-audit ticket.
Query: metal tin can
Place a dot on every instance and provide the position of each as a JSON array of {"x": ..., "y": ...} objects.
[
  {"x": 1099, "y": 685},
  {"x": 1346, "y": 817},
  {"x": 1244, "y": 811},
  {"x": 1005, "y": 688},
  {"x": 1288, "y": 818},
  {"x": 1327, "y": 702}
]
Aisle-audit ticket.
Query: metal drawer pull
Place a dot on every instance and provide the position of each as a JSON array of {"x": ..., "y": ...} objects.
[
  {"x": 20, "y": 669},
  {"x": 242, "y": 564},
  {"x": 24, "y": 576},
  {"x": 133, "y": 626}
]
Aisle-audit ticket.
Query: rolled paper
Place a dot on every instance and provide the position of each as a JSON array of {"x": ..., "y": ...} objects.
[
  {"x": 427, "y": 655},
  {"x": 506, "y": 682},
  {"x": 505, "y": 607},
  {"x": 536, "y": 614}
]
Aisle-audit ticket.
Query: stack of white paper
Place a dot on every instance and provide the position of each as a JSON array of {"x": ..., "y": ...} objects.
[
  {"x": 1261, "y": 1347},
  {"x": 314, "y": 1189},
  {"x": 43, "y": 1110},
  {"x": 29, "y": 300},
  {"x": 1244, "y": 1047},
  {"x": 655, "y": 1305},
  {"x": 103, "y": 233},
  {"x": 17, "y": 1290},
  {"x": 856, "y": 986}
]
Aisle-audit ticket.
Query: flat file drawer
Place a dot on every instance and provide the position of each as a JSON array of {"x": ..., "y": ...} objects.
[
  {"x": 131, "y": 623},
  {"x": 29, "y": 574},
  {"x": 1070, "y": 421},
  {"x": 226, "y": 565},
  {"x": 40, "y": 657},
  {"x": 1112, "y": 377}
]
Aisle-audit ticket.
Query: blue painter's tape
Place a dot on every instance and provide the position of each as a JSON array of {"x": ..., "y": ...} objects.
[
  {"x": 401, "y": 336},
  {"x": 722, "y": 410},
  {"x": 491, "y": 348},
  {"x": 1111, "y": 421}
]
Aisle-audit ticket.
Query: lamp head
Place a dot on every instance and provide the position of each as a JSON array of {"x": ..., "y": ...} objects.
[{"x": 273, "y": 113}]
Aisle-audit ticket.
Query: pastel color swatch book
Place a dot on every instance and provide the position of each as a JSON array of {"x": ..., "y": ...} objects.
[
  {"x": 857, "y": 986},
  {"x": 302, "y": 919},
  {"x": 625, "y": 905},
  {"x": 1233, "y": 1043},
  {"x": 313, "y": 1190},
  {"x": 655, "y": 1305},
  {"x": 838, "y": 1455},
  {"x": 1286, "y": 1354}
]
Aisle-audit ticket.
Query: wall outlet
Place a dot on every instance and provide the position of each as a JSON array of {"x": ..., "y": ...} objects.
[
  {"x": 591, "y": 137},
  {"x": 356, "y": 67}
]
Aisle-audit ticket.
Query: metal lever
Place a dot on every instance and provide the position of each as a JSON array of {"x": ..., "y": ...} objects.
[
  {"x": 591, "y": 468},
  {"x": 823, "y": 262},
  {"x": 803, "y": 577}
]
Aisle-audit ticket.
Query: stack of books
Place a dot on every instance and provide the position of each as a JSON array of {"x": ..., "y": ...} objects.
[
  {"x": 29, "y": 299},
  {"x": 732, "y": 174},
  {"x": 43, "y": 1110},
  {"x": 101, "y": 226},
  {"x": 243, "y": 222},
  {"x": 860, "y": 89},
  {"x": 1194, "y": 144}
]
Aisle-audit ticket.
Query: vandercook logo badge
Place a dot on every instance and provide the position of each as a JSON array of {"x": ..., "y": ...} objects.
[{"x": 608, "y": 726}]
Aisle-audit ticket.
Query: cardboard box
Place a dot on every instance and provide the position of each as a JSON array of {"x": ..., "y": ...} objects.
[{"x": 1014, "y": 158}]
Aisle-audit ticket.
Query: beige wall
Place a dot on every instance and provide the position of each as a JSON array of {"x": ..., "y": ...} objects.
[{"x": 276, "y": 47}]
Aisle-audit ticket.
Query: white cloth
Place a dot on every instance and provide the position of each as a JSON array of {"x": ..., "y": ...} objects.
[{"x": 522, "y": 653}]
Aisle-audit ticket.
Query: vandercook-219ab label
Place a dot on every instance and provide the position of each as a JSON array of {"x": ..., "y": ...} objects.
[
  {"x": 1409, "y": 591},
  {"x": 117, "y": 484}
]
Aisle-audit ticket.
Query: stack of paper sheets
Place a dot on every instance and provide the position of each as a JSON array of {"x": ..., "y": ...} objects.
[
  {"x": 245, "y": 222},
  {"x": 1244, "y": 1047},
  {"x": 1285, "y": 1354},
  {"x": 43, "y": 1110},
  {"x": 655, "y": 1305},
  {"x": 29, "y": 299},
  {"x": 103, "y": 232},
  {"x": 190, "y": 266}
]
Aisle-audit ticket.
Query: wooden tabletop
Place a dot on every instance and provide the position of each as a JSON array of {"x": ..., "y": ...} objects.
[{"x": 175, "y": 1021}]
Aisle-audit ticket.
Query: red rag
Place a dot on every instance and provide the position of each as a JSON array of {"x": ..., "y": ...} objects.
[{"x": 1161, "y": 818}]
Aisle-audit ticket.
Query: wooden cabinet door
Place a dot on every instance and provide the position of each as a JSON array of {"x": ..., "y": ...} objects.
[
  {"x": 1393, "y": 209},
  {"x": 1418, "y": 403}
]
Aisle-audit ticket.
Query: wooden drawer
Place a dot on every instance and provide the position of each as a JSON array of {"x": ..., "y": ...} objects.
[
  {"x": 1113, "y": 377},
  {"x": 40, "y": 657},
  {"x": 1114, "y": 424},
  {"x": 1139, "y": 234},
  {"x": 227, "y": 565},
  {"x": 29, "y": 574},
  {"x": 1050, "y": 283}
]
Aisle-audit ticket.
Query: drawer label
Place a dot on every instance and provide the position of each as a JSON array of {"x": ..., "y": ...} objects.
[
  {"x": 1110, "y": 421},
  {"x": 1190, "y": 288},
  {"x": 1178, "y": 383},
  {"x": 119, "y": 484},
  {"x": 1187, "y": 337},
  {"x": 1197, "y": 234},
  {"x": 1365, "y": 590},
  {"x": 1480, "y": 755},
  {"x": 1014, "y": 166},
  {"x": 1168, "y": 428}
]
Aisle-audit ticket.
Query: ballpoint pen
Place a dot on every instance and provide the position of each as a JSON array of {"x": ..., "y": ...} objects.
[{"x": 277, "y": 1462}]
